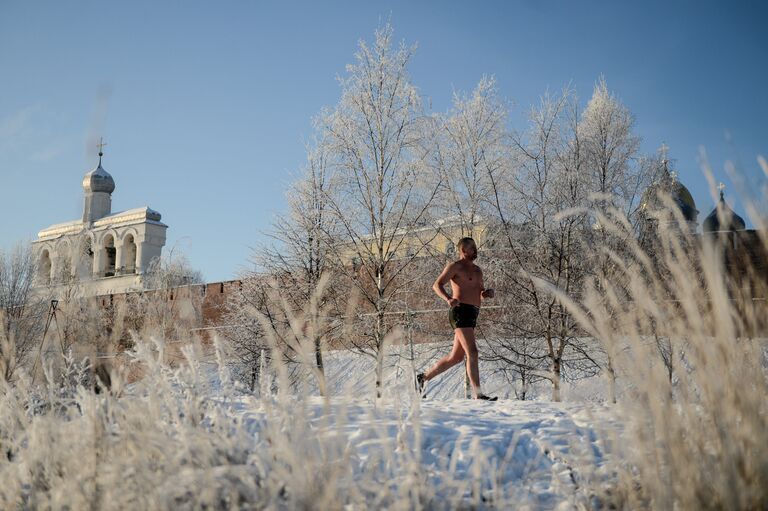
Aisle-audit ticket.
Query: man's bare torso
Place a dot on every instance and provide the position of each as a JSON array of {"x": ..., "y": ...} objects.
[{"x": 466, "y": 282}]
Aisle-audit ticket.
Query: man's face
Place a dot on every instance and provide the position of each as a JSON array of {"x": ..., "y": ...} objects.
[{"x": 469, "y": 251}]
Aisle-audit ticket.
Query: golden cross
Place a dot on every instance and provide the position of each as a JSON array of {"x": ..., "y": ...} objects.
[{"x": 101, "y": 145}]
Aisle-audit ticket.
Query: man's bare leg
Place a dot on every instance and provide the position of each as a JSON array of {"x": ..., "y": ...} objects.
[
  {"x": 466, "y": 337},
  {"x": 454, "y": 357}
]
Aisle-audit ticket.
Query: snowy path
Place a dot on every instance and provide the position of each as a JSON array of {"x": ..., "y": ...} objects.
[{"x": 532, "y": 453}]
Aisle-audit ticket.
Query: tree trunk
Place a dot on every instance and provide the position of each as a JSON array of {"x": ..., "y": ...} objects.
[
  {"x": 254, "y": 376},
  {"x": 379, "y": 352},
  {"x": 556, "y": 369},
  {"x": 524, "y": 387}
]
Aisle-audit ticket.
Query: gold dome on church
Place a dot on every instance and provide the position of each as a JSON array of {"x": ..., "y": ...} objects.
[{"x": 681, "y": 196}]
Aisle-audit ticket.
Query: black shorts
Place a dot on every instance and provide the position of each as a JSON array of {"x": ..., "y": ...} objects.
[{"x": 463, "y": 315}]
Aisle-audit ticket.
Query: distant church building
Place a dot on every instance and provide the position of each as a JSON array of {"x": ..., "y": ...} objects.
[
  {"x": 723, "y": 218},
  {"x": 104, "y": 252},
  {"x": 743, "y": 251}
]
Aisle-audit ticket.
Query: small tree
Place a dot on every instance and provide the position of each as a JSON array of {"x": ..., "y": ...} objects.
[
  {"x": 376, "y": 140},
  {"x": 540, "y": 243},
  {"x": 22, "y": 310},
  {"x": 171, "y": 305},
  {"x": 289, "y": 277}
]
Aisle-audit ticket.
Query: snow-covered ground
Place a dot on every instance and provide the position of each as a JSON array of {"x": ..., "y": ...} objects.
[
  {"x": 536, "y": 454},
  {"x": 188, "y": 438},
  {"x": 354, "y": 450}
]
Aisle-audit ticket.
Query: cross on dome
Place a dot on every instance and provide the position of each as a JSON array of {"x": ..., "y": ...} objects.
[{"x": 101, "y": 145}]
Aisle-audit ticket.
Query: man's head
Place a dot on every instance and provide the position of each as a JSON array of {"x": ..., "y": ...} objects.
[{"x": 467, "y": 248}]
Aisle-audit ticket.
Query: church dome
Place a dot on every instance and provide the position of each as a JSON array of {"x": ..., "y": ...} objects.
[
  {"x": 722, "y": 212},
  {"x": 98, "y": 180},
  {"x": 680, "y": 195}
]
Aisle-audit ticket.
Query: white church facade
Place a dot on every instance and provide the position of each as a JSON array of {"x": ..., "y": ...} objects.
[{"x": 102, "y": 253}]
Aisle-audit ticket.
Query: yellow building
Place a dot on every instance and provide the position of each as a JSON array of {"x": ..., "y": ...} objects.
[{"x": 429, "y": 240}]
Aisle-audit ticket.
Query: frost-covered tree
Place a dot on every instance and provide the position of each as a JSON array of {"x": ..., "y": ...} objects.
[
  {"x": 245, "y": 331},
  {"x": 541, "y": 244},
  {"x": 616, "y": 177},
  {"x": 377, "y": 145},
  {"x": 610, "y": 149},
  {"x": 170, "y": 307},
  {"x": 472, "y": 148},
  {"x": 575, "y": 171},
  {"x": 171, "y": 271},
  {"x": 286, "y": 283},
  {"x": 615, "y": 173},
  {"x": 22, "y": 311}
]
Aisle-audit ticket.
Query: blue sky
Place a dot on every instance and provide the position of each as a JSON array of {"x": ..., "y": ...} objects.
[{"x": 205, "y": 106}]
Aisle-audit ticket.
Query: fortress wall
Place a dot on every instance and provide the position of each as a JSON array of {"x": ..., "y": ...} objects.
[
  {"x": 202, "y": 304},
  {"x": 215, "y": 296}
]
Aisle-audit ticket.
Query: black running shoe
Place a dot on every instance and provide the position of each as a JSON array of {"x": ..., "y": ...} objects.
[
  {"x": 483, "y": 397},
  {"x": 420, "y": 383}
]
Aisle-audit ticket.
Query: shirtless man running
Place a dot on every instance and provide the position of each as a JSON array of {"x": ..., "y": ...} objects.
[{"x": 467, "y": 291}]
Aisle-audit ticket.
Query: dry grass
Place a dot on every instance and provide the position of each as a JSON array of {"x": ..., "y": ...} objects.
[
  {"x": 185, "y": 437},
  {"x": 697, "y": 417}
]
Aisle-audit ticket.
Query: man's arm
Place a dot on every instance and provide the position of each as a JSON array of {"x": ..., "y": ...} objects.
[
  {"x": 442, "y": 280},
  {"x": 485, "y": 293}
]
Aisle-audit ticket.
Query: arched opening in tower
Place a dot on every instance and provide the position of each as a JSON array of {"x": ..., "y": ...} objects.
[
  {"x": 129, "y": 254},
  {"x": 110, "y": 256},
  {"x": 44, "y": 270},
  {"x": 83, "y": 263}
]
